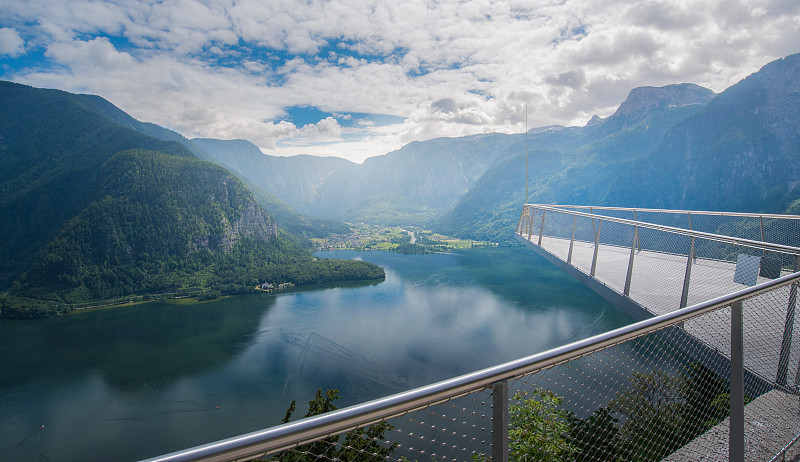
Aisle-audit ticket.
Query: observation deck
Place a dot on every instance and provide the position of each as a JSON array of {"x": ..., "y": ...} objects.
[
  {"x": 674, "y": 259},
  {"x": 650, "y": 262}
]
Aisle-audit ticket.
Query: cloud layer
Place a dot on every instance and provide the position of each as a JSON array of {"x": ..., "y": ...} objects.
[{"x": 230, "y": 69}]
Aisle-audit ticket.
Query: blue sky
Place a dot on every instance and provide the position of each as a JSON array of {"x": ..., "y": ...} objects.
[{"x": 359, "y": 78}]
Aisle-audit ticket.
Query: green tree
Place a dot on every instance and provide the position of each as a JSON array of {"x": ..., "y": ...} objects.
[
  {"x": 705, "y": 395},
  {"x": 595, "y": 438},
  {"x": 657, "y": 414},
  {"x": 538, "y": 429},
  {"x": 359, "y": 445},
  {"x": 654, "y": 408}
]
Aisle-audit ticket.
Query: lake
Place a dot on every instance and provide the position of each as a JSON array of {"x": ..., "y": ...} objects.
[{"x": 133, "y": 382}]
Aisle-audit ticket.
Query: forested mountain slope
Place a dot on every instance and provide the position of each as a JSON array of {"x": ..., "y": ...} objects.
[
  {"x": 93, "y": 210},
  {"x": 736, "y": 151},
  {"x": 51, "y": 150}
]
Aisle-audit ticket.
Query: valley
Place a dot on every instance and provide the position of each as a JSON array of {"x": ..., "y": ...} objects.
[
  {"x": 143, "y": 210},
  {"x": 408, "y": 239}
]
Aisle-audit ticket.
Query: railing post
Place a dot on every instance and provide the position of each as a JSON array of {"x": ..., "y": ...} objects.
[
  {"x": 694, "y": 257},
  {"x": 530, "y": 222},
  {"x": 596, "y": 246},
  {"x": 500, "y": 421},
  {"x": 761, "y": 221},
  {"x": 687, "y": 276},
  {"x": 639, "y": 244},
  {"x": 541, "y": 230},
  {"x": 628, "y": 278},
  {"x": 786, "y": 343},
  {"x": 572, "y": 239},
  {"x": 736, "y": 429}
]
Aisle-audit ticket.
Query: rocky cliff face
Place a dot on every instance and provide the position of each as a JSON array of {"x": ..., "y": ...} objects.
[{"x": 253, "y": 223}]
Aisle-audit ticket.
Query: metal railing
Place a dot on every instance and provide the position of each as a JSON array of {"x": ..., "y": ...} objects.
[
  {"x": 764, "y": 227},
  {"x": 609, "y": 248},
  {"x": 647, "y": 391}
]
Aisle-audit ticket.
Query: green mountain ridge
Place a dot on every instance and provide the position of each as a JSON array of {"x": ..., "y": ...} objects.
[
  {"x": 736, "y": 152},
  {"x": 48, "y": 140},
  {"x": 425, "y": 183},
  {"x": 95, "y": 210}
]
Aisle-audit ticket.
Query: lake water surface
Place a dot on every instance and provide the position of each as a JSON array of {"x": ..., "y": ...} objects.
[{"x": 135, "y": 382}]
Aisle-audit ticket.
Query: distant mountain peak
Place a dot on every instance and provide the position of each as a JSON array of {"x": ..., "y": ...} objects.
[
  {"x": 642, "y": 101},
  {"x": 595, "y": 120}
]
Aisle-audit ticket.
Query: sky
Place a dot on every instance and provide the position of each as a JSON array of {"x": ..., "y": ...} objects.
[{"x": 359, "y": 78}]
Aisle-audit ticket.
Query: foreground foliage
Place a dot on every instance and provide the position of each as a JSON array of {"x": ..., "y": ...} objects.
[
  {"x": 655, "y": 416},
  {"x": 361, "y": 444}
]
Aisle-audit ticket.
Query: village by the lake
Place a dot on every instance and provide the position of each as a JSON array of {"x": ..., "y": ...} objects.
[{"x": 404, "y": 239}]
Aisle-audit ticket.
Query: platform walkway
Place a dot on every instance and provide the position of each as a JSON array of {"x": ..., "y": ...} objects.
[{"x": 655, "y": 287}]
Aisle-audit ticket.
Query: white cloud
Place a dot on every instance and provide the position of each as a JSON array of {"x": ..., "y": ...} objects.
[
  {"x": 326, "y": 129},
  {"x": 96, "y": 55},
  {"x": 228, "y": 69},
  {"x": 11, "y": 43}
]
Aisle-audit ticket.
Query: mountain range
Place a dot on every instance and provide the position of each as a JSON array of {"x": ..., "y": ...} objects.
[
  {"x": 412, "y": 185},
  {"x": 676, "y": 146},
  {"x": 96, "y": 204}
]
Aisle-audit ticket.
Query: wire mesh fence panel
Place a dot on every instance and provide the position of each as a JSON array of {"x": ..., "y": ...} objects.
[
  {"x": 641, "y": 400},
  {"x": 557, "y": 234},
  {"x": 558, "y": 225},
  {"x": 581, "y": 248},
  {"x": 657, "y": 276},
  {"x": 783, "y": 230},
  {"x": 609, "y": 212},
  {"x": 455, "y": 430},
  {"x": 614, "y": 253},
  {"x": 770, "y": 344},
  {"x": 675, "y": 220}
]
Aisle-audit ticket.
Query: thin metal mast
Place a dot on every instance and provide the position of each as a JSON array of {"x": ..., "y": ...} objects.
[{"x": 526, "y": 153}]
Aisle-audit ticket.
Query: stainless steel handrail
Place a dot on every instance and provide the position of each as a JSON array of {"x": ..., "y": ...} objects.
[
  {"x": 314, "y": 428},
  {"x": 675, "y": 211},
  {"x": 686, "y": 232}
]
